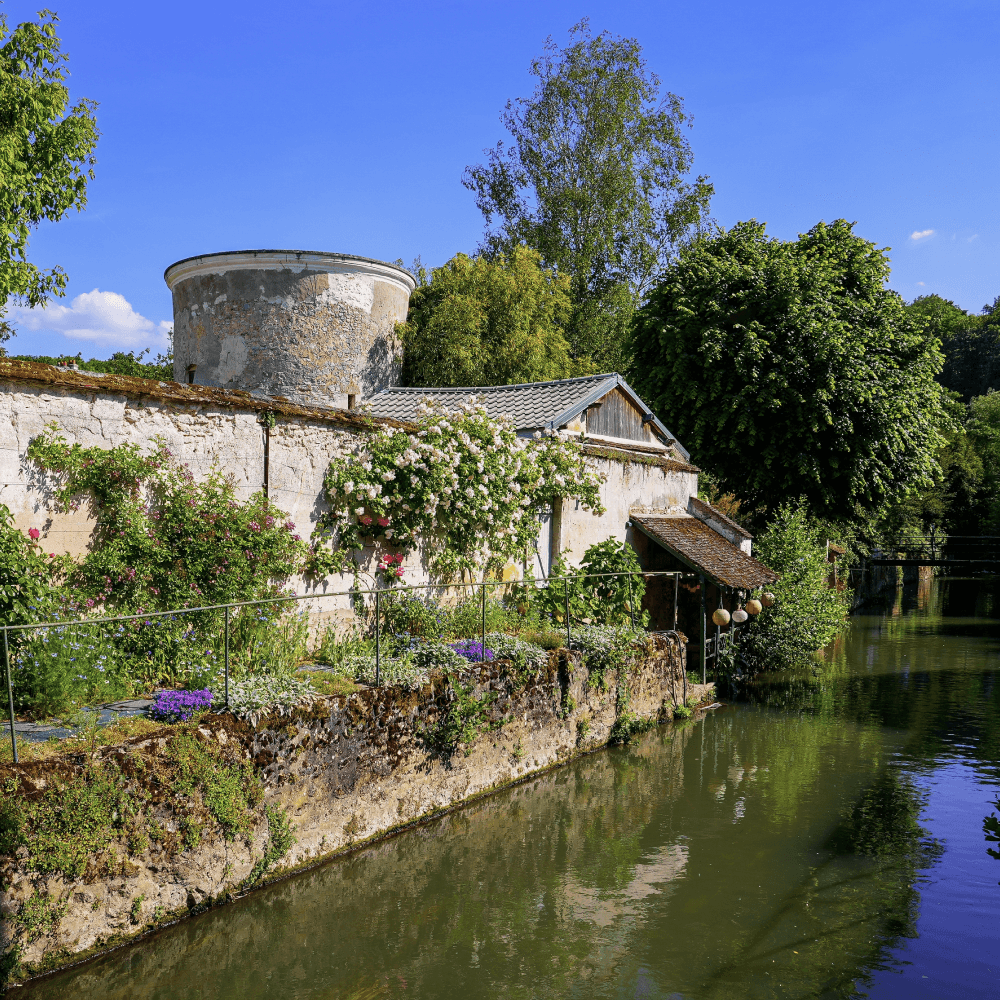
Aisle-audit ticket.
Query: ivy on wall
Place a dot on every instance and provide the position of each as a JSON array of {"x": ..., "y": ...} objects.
[{"x": 464, "y": 484}]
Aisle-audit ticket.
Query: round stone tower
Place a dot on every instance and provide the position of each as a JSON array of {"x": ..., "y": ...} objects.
[{"x": 312, "y": 327}]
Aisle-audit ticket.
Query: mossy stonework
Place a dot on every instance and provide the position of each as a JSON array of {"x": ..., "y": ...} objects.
[{"x": 99, "y": 849}]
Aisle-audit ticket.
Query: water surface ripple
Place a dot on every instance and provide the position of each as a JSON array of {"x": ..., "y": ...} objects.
[{"x": 823, "y": 837}]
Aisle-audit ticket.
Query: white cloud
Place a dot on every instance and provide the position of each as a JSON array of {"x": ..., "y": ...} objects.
[
  {"x": 921, "y": 234},
  {"x": 975, "y": 236},
  {"x": 104, "y": 318},
  {"x": 919, "y": 282}
]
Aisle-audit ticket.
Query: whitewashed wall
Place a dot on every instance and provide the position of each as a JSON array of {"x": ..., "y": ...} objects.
[{"x": 224, "y": 433}]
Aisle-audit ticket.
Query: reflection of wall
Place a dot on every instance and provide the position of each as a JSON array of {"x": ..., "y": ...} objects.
[{"x": 345, "y": 770}]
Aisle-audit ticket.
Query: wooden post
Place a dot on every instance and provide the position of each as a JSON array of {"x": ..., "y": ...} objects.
[{"x": 704, "y": 630}]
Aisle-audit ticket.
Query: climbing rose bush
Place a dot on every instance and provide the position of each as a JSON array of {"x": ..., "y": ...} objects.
[
  {"x": 162, "y": 539},
  {"x": 464, "y": 483}
]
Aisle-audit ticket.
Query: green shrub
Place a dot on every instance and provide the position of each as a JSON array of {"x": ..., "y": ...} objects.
[
  {"x": 594, "y": 599},
  {"x": 807, "y": 613}
]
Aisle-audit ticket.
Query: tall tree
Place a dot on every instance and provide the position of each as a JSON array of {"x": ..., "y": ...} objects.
[
  {"x": 481, "y": 321},
  {"x": 46, "y": 155},
  {"x": 971, "y": 344},
  {"x": 595, "y": 180},
  {"x": 790, "y": 370}
]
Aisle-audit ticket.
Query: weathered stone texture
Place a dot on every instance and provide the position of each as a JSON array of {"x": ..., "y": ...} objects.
[
  {"x": 309, "y": 327},
  {"x": 346, "y": 770}
]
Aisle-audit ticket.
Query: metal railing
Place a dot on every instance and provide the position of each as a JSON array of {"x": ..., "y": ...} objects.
[{"x": 352, "y": 593}]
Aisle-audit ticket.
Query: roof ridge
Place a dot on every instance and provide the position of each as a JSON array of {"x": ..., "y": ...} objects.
[{"x": 495, "y": 388}]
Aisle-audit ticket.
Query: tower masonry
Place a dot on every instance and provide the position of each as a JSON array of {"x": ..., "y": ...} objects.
[{"x": 309, "y": 326}]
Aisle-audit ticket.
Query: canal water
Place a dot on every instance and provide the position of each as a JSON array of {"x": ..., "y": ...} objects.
[{"x": 821, "y": 837}]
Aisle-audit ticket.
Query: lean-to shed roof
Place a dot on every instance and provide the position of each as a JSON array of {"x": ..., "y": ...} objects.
[{"x": 705, "y": 550}]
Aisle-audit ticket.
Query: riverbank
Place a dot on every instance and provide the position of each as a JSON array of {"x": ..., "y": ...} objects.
[{"x": 102, "y": 847}]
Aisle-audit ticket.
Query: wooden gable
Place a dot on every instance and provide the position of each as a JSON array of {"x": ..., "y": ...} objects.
[{"x": 616, "y": 416}]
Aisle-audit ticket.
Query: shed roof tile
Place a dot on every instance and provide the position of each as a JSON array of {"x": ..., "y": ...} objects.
[{"x": 698, "y": 545}]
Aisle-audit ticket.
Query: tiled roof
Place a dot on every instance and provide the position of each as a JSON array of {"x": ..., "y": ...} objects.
[
  {"x": 695, "y": 543},
  {"x": 531, "y": 405}
]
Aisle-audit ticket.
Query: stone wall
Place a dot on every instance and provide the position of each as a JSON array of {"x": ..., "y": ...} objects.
[
  {"x": 344, "y": 771},
  {"x": 208, "y": 427}
]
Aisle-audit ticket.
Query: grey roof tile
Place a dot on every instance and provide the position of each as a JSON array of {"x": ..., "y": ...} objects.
[{"x": 531, "y": 405}]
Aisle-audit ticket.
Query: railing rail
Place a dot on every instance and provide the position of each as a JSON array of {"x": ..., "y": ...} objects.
[{"x": 352, "y": 592}]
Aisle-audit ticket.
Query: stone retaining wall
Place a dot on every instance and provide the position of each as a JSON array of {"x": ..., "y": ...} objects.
[{"x": 343, "y": 771}]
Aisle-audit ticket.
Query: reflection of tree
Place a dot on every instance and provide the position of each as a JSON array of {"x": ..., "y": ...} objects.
[
  {"x": 991, "y": 827},
  {"x": 841, "y": 923}
]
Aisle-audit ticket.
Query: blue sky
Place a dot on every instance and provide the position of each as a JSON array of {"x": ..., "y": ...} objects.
[{"x": 346, "y": 127}]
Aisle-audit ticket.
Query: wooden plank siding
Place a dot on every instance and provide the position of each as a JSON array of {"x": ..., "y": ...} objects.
[{"x": 617, "y": 417}]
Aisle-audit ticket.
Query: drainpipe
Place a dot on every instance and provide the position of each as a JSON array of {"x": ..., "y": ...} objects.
[{"x": 267, "y": 420}]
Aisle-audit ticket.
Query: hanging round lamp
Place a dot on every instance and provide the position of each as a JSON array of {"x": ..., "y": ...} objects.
[
  {"x": 720, "y": 616},
  {"x": 754, "y": 607}
]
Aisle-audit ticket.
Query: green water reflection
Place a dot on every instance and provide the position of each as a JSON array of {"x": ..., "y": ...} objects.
[{"x": 770, "y": 849}]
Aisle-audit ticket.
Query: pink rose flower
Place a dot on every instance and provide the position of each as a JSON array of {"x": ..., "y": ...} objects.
[
  {"x": 33, "y": 534},
  {"x": 365, "y": 519},
  {"x": 383, "y": 522}
]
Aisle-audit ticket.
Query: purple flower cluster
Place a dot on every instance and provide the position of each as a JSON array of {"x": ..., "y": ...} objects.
[
  {"x": 179, "y": 706},
  {"x": 473, "y": 650}
]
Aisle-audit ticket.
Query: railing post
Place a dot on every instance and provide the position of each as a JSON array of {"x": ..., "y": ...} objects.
[
  {"x": 631, "y": 609},
  {"x": 10, "y": 694},
  {"x": 704, "y": 631},
  {"x": 378, "y": 653},
  {"x": 484, "y": 617},
  {"x": 566, "y": 598},
  {"x": 677, "y": 583},
  {"x": 227, "y": 657}
]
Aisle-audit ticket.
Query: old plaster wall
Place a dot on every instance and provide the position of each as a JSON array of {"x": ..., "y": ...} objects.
[
  {"x": 307, "y": 326},
  {"x": 637, "y": 481},
  {"x": 346, "y": 770},
  {"x": 212, "y": 428}
]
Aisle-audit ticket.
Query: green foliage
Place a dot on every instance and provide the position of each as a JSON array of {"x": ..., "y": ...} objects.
[
  {"x": 595, "y": 180},
  {"x": 120, "y": 363},
  {"x": 255, "y": 697},
  {"x": 807, "y": 613},
  {"x": 488, "y": 322},
  {"x": 46, "y": 155},
  {"x": 280, "y": 839},
  {"x": 39, "y": 914},
  {"x": 230, "y": 790},
  {"x": 595, "y": 599},
  {"x": 682, "y": 712},
  {"x": 791, "y": 371},
  {"x": 465, "y": 485},
  {"x": 26, "y": 579},
  {"x": 163, "y": 540},
  {"x": 971, "y": 344},
  {"x": 463, "y": 719}
]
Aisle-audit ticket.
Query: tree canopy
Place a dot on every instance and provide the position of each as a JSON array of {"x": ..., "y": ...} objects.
[
  {"x": 595, "y": 180},
  {"x": 790, "y": 370},
  {"x": 971, "y": 343},
  {"x": 46, "y": 155},
  {"x": 482, "y": 321}
]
